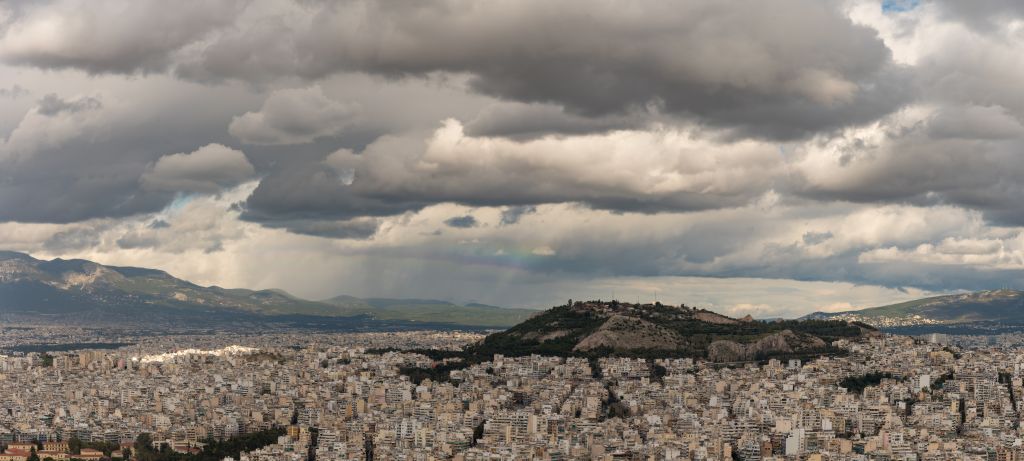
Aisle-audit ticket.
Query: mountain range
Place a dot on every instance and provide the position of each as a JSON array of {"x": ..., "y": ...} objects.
[
  {"x": 1006, "y": 306},
  {"x": 82, "y": 289}
]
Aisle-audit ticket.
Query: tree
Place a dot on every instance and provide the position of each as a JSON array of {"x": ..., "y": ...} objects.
[
  {"x": 33, "y": 456},
  {"x": 478, "y": 433},
  {"x": 658, "y": 372},
  {"x": 143, "y": 443},
  {"x": 75, "y": 445}
]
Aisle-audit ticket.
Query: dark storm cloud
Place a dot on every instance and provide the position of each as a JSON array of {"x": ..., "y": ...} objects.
[
  {"x": 806, "y": 69},
  {"x": 782, "y": 69},
  {"x": 63, "y": 197},
  {"x": 355, "y": 228},
  {"x": 315, "y": 192},
  {"x": 352, "y": 229},
  {"x": 74, "y": 159},
  {"x": 968, "y": 156},
  {"x": 523, "y": 121},
  {"x": 461, "y": 222}
]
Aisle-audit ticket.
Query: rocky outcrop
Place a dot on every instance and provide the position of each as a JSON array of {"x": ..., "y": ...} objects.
[
  {"x": 779, "y": 343},
  {"x": 711, "y": 317},
  {"x": 626, "y": 333}
]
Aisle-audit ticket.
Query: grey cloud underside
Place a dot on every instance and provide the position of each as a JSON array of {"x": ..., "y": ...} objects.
[
  {"x": 315, "y": 192},
  {"x": 64, "y": 198},
  {"x": 689, "y": 255},
  {"x": 72, "y": 240},
  {"x": 52, "y": 104},
  {"x": 513, "y": 214},
  {"x": 807, "y": 69},
  {"x": 461, "y": 222},
  {"x": 693, "y": 253},
  {"x": 356, "y": 228},
  {"x": 970, "y": 158},
  {"x": 96, "y": 174},
  {"x": 319, "y": 194},
  {"x": 526, "y": 121}
]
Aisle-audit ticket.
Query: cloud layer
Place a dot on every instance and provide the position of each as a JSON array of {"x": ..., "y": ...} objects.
[{"x": 522, "y": 143}]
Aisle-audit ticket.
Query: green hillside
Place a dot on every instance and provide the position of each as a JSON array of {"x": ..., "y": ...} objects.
[{"x": 597, "y": 328}]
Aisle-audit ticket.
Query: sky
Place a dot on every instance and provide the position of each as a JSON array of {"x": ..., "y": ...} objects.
[{"x": 771, "y": 158}]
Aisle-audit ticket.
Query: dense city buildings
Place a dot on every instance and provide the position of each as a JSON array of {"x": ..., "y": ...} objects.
[{"x": 340, "y": 397}]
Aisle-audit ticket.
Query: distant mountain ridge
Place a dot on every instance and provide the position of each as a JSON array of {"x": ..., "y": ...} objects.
[
  {"x": 980, "y": 306},
  {"x": 30, "y": 286}
]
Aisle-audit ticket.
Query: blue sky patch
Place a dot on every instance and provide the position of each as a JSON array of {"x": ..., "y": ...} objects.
[{"x": 899, "y": 6}]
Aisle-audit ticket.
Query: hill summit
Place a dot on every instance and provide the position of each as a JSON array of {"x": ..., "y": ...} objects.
[{"x": 599, "y": 328}]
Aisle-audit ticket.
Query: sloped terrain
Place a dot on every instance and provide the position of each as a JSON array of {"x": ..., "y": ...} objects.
[
  {"x": 654, "y": 330},
  {"x": 30, "y": 286},
  {"x": 994, "y": 305}
]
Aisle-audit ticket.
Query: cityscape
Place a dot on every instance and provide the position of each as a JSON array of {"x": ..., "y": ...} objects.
[
  {"x": 511, "y": 230},
  {"x": 340, "y": 396}
]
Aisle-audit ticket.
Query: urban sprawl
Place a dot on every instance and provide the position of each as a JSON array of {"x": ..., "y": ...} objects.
[{"x": 341, "y": 396}]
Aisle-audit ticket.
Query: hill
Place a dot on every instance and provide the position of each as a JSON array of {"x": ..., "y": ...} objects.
[
  {"x": 598, "y": 328},
  {"x": 85, "y": 289},
  {"x": 1005, "y": 306}
]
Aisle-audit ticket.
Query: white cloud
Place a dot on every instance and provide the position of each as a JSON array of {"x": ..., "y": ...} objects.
[
  {"x": 662, "y": 168},
  {"x": 209, "y": 169}
]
